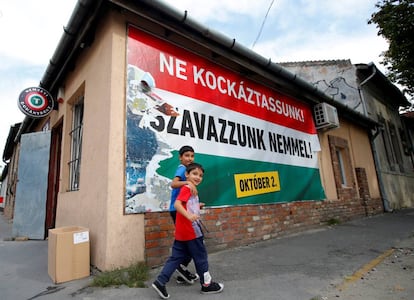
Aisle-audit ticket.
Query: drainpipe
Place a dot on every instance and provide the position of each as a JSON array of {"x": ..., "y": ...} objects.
[
  {"x": 374, "y": 71},
  {"x": 361, "y": 94}
]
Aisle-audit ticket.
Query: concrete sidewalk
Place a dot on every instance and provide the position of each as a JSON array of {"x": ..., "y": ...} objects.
[{"x": 369, "y": 258}]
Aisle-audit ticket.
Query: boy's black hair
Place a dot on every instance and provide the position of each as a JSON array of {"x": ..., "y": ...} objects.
[
  {"x": 193, "y": 166},
  {"x": 185, "y": 149}
]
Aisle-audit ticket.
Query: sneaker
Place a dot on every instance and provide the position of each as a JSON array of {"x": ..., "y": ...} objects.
[
  {"x": 180, "y": 280},
  {"x": 212, "y": 288},
  {"x": 160, "y": 289},
  {"x": 187, "y": 276}
]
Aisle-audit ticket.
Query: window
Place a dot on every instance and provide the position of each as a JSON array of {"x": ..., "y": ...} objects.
[
  {"x": 344, "y": 175},
  {"x": 396, "y": 147},
  {"x": 392, "y": 145},
  {"x": 386, "y": 142},
  {"x": 341, "y": 167},
  {"x": 76, "y": 145},
  {"x": 406, "y": 143}
]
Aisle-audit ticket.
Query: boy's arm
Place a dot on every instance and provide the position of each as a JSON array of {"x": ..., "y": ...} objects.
[
  {"x": 176, "y": 183},
  {"x": 178, "y": 205}
]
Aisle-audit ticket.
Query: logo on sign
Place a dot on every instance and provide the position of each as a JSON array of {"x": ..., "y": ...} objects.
[{"x": 35, "y": 102}]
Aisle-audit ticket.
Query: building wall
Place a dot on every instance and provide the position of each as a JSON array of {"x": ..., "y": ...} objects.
[
  {"x": 339, "y": 79},
  {"x": 10, "y": 197},
  {"x": 335, "y": 78},
  {"x": 3, "y": 188},
  {"x": 242, "y": 225},
  {"x": 116, "y": 239},
  {"x": 360, "y": 157},
  {"x": 395, "y": 163},
  {"x": 400, "y": 190}
]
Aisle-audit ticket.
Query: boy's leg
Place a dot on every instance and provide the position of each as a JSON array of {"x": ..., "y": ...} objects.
[
  {"x": 179, "y": 253},
  {"x": 198, "y": 252},
  {"x": 185, "y": 264},
  {"x": 173, "y": 214},
  {"x": 185, "y": 276}
]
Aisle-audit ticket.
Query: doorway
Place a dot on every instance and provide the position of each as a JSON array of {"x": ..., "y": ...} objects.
[{"x": 53, "y": 177}]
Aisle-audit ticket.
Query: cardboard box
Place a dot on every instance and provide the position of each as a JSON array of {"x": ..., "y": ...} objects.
[{"x": 68, "y": 253}]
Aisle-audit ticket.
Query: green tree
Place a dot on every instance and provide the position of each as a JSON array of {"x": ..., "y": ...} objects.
[{"x": 395, "y": 21}]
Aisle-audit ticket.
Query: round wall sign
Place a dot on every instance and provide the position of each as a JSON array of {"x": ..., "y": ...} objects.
[{"x": 35, "y": 102}]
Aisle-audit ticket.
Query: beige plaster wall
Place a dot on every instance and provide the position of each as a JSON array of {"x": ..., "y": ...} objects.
[
  {"x": 116, "y": 239},
  {"x": 325, "y": 166},
  {"x": 361, "y": 157}
]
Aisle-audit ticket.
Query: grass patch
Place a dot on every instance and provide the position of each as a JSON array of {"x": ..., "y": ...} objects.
[
  {"x": 333, "y": 221},
  {"x": 133, "y": 276}
]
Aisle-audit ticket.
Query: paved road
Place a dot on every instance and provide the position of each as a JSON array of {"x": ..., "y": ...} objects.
[{"x": 369, "y": 258}]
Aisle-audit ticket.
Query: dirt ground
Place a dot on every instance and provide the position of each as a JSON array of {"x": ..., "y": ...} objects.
[{"x": 391, "y": 279}]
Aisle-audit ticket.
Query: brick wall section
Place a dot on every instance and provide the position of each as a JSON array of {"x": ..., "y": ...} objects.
[
  {"x": 231, "y": 227},
  {"x": 235, "y": 226},
  {"x": 372, "y": 206},
  {"x": 159, "y": 236}
]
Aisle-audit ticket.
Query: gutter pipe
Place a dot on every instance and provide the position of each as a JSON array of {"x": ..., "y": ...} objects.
[{"x": 374, "y": 71}]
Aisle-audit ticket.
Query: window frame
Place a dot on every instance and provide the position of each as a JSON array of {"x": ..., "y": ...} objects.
[
  {"x": 343, "y": 170},
  {"x": 341, "y": 165},
  {"x": 76, "y": 135}
]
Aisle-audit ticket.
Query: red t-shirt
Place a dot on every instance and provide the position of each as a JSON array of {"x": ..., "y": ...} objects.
[{"x": 185, "y": 230}]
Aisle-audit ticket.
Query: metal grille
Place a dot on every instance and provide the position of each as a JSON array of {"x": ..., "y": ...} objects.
[{"x": 76, "y": 145}]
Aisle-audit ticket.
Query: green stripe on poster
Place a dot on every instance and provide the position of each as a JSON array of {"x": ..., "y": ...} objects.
[{"x": 219, "y": 186}]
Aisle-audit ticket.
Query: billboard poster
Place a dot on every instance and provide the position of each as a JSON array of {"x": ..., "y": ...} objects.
[{"x": 257, "y": 146}]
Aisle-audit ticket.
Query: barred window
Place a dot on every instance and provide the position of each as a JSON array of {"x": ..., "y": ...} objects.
[{"x": 76, "y": 145}]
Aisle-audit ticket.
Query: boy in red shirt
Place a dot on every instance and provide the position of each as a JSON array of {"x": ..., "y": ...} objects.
[
  {"x": 186, "y": 157},
  {"x": 189, "y": 240}
]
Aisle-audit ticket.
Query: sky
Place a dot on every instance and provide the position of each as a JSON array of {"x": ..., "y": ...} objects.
[{"x": 283, "y": 30}]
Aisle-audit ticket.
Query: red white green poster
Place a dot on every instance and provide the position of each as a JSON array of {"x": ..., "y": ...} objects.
[{"x": 257, "y": 146}]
